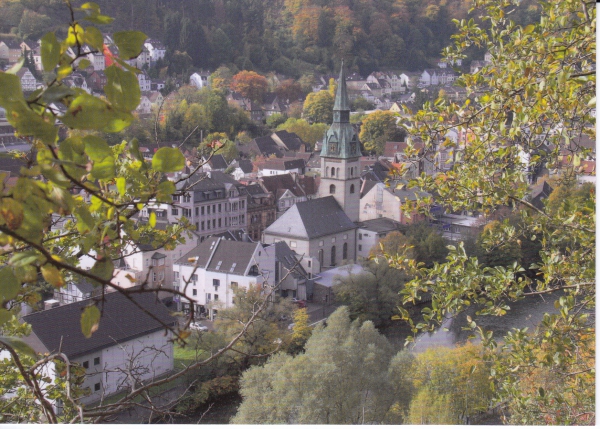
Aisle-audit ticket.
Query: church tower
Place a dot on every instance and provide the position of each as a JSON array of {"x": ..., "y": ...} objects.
[{"x": 340, "y": 167}]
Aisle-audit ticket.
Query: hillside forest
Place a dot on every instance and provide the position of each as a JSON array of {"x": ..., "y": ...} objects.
[{"x": 292, "y": 37}]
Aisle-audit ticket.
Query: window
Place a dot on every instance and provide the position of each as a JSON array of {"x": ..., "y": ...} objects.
[
  {"x": 207, "y": 209},
  {"x": 219, "y": 222},
  {"x": 202, "y": 210},
  {"x": 194, "y": 292},
  {"x": 187, "y": 212},
  {"x": 219, "y": 208},
  {"x": 321, "y": 257},
  {"x": 321, "y": 243},
  {"x": 202, "y": 225},
  {"x": 176, "y": 198},
  {"x": 345, "y": 251},
  {"x": 234, "y": 284},
  {"x": 197, "y": 229},
  {"x": 197, "y": 211},
  {"x": 242, "y": 204},
  {"x": 214, "y": 223},
  {"x": 214, "y": 208},
  {"x": 86, "y": 364},
  {"x": 360, "y": 236},
  {"x": 333, "y": 240},
  {"x": 359, "y": 247},
  {"x": 216, "y": 297},
  {"x": 194, "y": 278},
  {"x": 97, "y": 361},
  {"x": 332, "y": 189},
  {"x": 332, "y": 256},
  {"x": 332, "y": 172},
  {"x": 153, "y": 276},
  {"x": 187, "y": 198},
  {"x": 308, "y": 263},
  {"x": 96, "y": 387},
  {"x": 345, "y": 236},
  {"x": 352, "y": 189},
  {"x": 174, "y": 211},
  {"x": 208, "y": 297},
  {"x": 292, "y": 244},
  {"x": 216, "y": 283}
]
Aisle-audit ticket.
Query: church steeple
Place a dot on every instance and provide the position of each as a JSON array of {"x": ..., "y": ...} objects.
[
  {"x": 340, "y": 166},
  {"x": 341, "y": 94},
  {"x": 340, "y": 140}
]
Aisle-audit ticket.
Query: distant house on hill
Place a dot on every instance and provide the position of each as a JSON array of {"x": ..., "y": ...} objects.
[{"x": 275, "y": 144}]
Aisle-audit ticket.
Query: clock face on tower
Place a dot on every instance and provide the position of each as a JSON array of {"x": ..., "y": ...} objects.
[{"x": 333, "y": 147}]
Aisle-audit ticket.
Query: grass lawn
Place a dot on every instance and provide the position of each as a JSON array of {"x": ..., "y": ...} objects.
[{"x": 185, "y": 356}]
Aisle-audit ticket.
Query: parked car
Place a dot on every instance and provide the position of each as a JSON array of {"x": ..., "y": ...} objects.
[
  {"x": 299, "y": 302},
  {"x": 198, "y": 327}
]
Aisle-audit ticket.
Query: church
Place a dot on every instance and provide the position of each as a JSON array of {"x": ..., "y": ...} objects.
[{"x": 324, "y": 230}]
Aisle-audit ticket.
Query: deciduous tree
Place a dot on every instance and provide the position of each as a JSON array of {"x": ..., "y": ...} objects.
[
  {"x": 378, "y": 128},
  {"x": 250, "y": 85},
  {"x": 318, "y": 107}
]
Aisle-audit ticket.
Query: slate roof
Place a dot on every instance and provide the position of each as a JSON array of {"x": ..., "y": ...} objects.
[
  {"x": 381, "y": 225},
  {"x": 282, "y": 181},
  {"x": 121, "y": 321},
  {"x": 282, "y": 164},
  {"x": 220, "y": 255},
  {"x": 311, "y": 219},
  {"x": 245, "y": 165},
  {"x": 288, "y": 259},
  {"x": 310, "y": 184},
  {"x": 218, "y": 162}
]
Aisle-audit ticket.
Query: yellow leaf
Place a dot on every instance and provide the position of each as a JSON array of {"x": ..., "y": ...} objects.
[{"x": 52, "y": 275}]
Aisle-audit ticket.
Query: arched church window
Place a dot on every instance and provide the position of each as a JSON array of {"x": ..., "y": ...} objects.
[
  {"x": 345, "y": 251},
  {"x": 332, "y": 172},
  {"x": 352, "y": 188},
  {"x": 332, "y": 189},
  {"x": 333, "y": 256}
]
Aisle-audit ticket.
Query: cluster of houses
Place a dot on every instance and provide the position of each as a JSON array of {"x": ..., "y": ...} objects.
[{"x": 291, "y": 217}]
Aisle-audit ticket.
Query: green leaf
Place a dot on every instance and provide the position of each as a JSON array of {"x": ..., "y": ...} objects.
[
  {"x": 18, "y": 345},
  {"x": 57, "y": 93},
  {"x": 87, "y": 112},
  {"x": 130, "y": 43},
  {"x": 5, "y": 316},
  {"x": 93, "y": 37},
  {"x": 90, "y": 320},
  {"x": 121, "y": 185},
  {"x": 17, "y": 66},
  {"x": 53, "y": 276},
  {"x": 50, "y": 49},
  {"x": 29, "y": 123},
  {"x": 11, "y": 90},
  {"x": 24, "y": 258},
  {"x": 103, "y": 269},
  {"x": 84, "y": 64},
  {"x": 85, "y": 221},
  {"x": 122, "y": 88},
  {"x": 9, "y": 286},
  {"x": 96, "y": 148},
  {"x": 168, "y": 159}
]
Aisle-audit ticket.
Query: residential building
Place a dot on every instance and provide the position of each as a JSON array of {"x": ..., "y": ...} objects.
[
  {"x": 200, "y": 80},
  {"x": 324, "y": 282},
  {"x": 28, "y": 81},
  {"x": 144, "y": 81},
  {"x": 209, "y": 272},
  {"x": 214, "y": 203},
  {"x": 128, "y": 341},
  {"x": 286, "y": 190},
  {"x": 371, "y": 231},
  {"x": 262, "y": 210},
  {"x": 277, "y": 166},
  {"x": 156, "y": 49},
  {"x": 290, "y": 275},
  {"x": 386, "y": 200}
]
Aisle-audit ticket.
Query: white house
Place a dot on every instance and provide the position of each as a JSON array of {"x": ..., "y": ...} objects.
[
  {"x": 215, "y": 266},
  {"x": 145, "y": 106},
  {"x": 156, "y": 49},
  {"x": 127, "y": 339},
  {"x": 200, "y": 80},
  {"x": 371, "y": 231},
  {"x": 145, "y": 82},
  {"x": 28, "y": 81}
]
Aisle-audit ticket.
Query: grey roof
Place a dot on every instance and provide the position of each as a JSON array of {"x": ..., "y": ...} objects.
[
  {"x": 121, "y": 321},
  {"x": 281, "y": 182},
  {"x": 84, "y": 286},
  {"x": 311, "y": 219},
  {"x": 288, "y": 259},
  {"x": 158, "y": 255},
  {"x": 411, "y": 194},
  {"x": 218, "y": 162},
  {"x": 246, "y": 165},
  {"x": 220, "y": 255},
  {"x": 381, "y": 224}
]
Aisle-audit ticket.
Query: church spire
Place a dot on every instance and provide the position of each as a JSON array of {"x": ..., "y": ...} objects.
[{"x": 341, "y": 94}]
